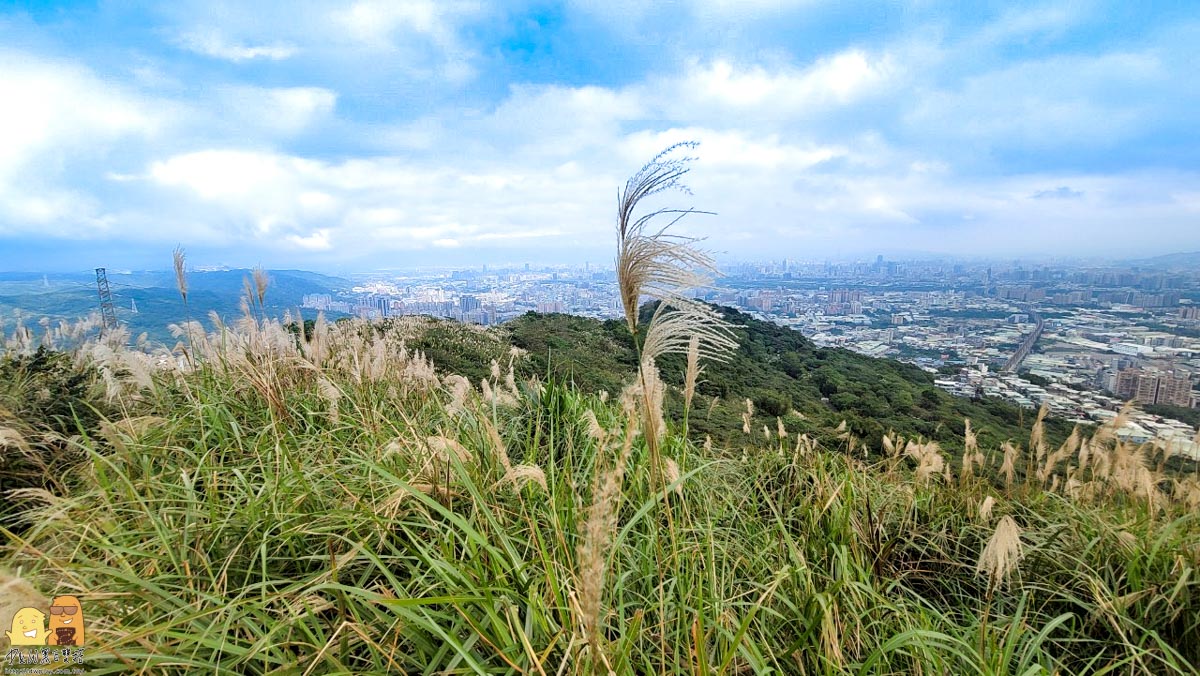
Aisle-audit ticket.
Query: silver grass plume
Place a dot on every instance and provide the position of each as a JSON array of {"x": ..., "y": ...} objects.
[
  {"x": 672, "y": 329},
  {"x": 971, "y": 455},
  {"x": 692, "y": 372},
  {"x": 985, "y": 508},
  {"x": 180, "y": 259},
  {"x": 1008, "y": 468},
  {"x": 652, "y": 263},
  {"x": 261, "y": 282},
  {"x": 1037, "y": 442},
  {"x": 662, "y": 266},
  {"x": 654, "y": 391},
  {"x": 656, "y": 264},
  {"x": 598, "y": 531},
  {"x": 1002, "y": 554}
]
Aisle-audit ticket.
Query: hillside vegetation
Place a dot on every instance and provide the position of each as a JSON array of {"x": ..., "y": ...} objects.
[
  {"x": 336, "y": 505},
  {"x": 783, "y": 374}
]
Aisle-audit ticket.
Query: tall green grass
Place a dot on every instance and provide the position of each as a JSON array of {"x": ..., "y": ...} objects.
[{"x": 338, "y": 519}]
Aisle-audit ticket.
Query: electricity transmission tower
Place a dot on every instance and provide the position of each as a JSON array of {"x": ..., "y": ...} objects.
[{"x": 107, "y": 312}]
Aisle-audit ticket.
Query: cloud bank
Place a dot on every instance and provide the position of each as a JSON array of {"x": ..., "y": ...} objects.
[{"x": 384, "y": 134}]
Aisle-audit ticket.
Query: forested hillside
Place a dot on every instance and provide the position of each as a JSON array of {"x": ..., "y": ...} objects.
[{"x": 778, "y": 369}]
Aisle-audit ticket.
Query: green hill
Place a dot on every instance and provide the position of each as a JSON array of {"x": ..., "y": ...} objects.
[{"x": 777, "y": 368}]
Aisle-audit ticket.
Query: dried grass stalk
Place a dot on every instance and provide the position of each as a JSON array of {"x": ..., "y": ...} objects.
[
  {"x": 1003, "y": 553},
  {"x": 261, "y": 282},
  {"x": 592, "y": 555},
  {"x": 985, "y": 508},
  {"x": 519, "y": 475},
  {"x": 930, "y": 462},
  {"x": 180, "y": 259},
  {"x": 692, "y": 373},
  {"x": 1008, "y": 467}
]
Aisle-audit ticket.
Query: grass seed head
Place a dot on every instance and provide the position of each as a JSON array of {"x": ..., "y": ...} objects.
[
  {"x": 261, "y": 282},
  {"x": 985, "y": 508},
  {"x": 519, "y": 475},
  {"x": 1003, "y": 553},
  {"x": 180, "y": 260},
  {"x": 692, "y": 372}
]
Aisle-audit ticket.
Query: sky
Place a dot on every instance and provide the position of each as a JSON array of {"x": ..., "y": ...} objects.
[{"x": 366, "y": 135}]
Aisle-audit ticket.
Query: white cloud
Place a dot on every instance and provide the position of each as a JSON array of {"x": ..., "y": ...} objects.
[
  {"x": 400, "y": 27},
  {"x": 51, "y": 106},
  {"x": 55, "y": 118},
  {"x": 211, "y": 42},
  {"x": 1024, "y": 23},
  {"x": 1052, "y": 102},
  {"x": 317, "y": 241},
  {"x": 868, "y": 144},
  {"x": 373, "y": 22},
  {"x": 359, "y": 41},
  {"x": 225, "y": 174},
  {"x": 271, "y": 111},
  {"x": 369, "y": 205},
  {"x": 638, "y": 17},
  {"x": 551, "y": 120},
  {"x": 767, "y": 98},
  {"x": 733, "y": 150},
  {"x": 835, "y": 80},
  {"x": 543, "y": 165}
]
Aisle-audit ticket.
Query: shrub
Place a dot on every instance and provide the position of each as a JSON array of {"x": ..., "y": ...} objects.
[{"x": 46, "y": 397}]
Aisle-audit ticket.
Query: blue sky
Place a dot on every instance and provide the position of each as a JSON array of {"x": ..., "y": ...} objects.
[{"x": 359, "y": 135}]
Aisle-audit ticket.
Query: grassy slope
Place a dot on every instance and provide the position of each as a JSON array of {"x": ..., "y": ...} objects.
[{"x": 240, "y": 518}]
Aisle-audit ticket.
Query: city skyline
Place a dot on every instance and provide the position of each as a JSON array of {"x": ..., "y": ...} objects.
[
  {"x": 209, "y": 261},
  {"x": 370, "y": 135}
]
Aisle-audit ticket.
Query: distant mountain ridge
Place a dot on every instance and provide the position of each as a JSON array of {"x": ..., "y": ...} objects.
[
  {"x": 1187, "y": 260},
  {"x": 73, "y": 296}
]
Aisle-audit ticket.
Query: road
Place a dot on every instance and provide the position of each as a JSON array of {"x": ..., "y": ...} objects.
[{"x": 1026, "y": 345}]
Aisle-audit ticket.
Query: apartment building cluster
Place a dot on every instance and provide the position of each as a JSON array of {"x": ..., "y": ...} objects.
[
  {"x": 326, "y": 303},
  {"x": 844, "y": 302},
  {"x": 1151, "y": 386},
  {"x": 1132, "y": 298}
]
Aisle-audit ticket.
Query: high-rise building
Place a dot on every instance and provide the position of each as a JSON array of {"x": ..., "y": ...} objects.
[
  {"x": 467, "y": 303},
  {"x": 1146, "y": 391},
  {"x": 1153, "y": 387},
  {"x": 1126, "y": 384},
  {"x": 845, "y": 296},
  {"x": 1174, "y": 389}
]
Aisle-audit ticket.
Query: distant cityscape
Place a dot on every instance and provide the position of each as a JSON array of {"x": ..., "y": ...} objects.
[{"x": 1079, "y": 340}]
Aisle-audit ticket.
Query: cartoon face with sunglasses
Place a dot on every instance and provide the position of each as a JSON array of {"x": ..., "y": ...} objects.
[{"x": 66, "y": 622}]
